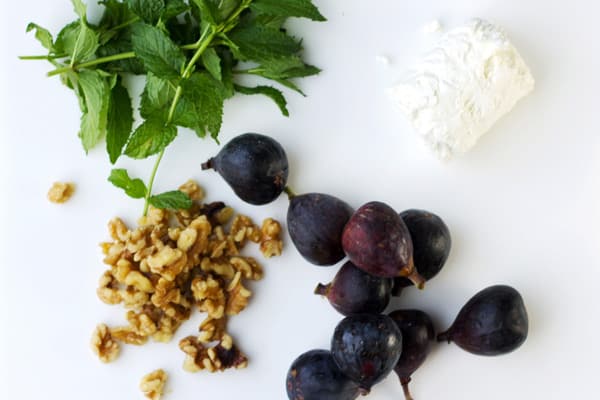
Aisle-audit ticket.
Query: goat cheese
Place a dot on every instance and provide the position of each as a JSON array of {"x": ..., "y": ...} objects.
[{"x": 454, "y": 95}]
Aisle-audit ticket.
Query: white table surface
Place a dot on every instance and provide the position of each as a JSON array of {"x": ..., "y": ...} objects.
[{"x": 523, "y": 208}]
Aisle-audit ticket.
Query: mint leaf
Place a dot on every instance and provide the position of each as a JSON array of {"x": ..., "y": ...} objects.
[
  {"x": 270, "y": 21},
  {"x": 288, "y": 8},
  {"x": 121, "y": 43},
  {"x": 159, "y": 54},
  {"x": 116, "y": 14},
  {"x": 94, "y": 98},
  {"x": 86, "y": 44},
  {"x": 120, "y": 121},
  {"x": 287, "y": 67},
  {"x": 80, "y": 9},
  {"x": 134, "y": 188},
  {"x": 42, "y": 35},
  {"x": 148, "y": 10},
  {"x": 77, "y": 40},
  {"x": 257, "y": 43},
  {"x": 175, "y": 200},
  {"x": 151, "y": 137},
  {"x": 208, "y": 11},
  {"x": 157, "y": 97},
  {"x": 212, "y": 63},
  {"x": 201, "y": 105},
  {"x": 174, "y": 8},
  {"x": 268, "y": 91}
]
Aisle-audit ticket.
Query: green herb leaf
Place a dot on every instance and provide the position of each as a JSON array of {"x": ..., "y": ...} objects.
[
  {"x": 80, "y": 9},
  {"x": 94, "y": 98},
  {"x": 120, "y": 121},
  {"x": 212, "y": 63},
  {"x": 115, "y": 18},
  {"x": 151, "y": 137},
  {"x": 175, "y": 200},
  {"x": 287, "y": 67},
  {"x": 121, "y": 43},
  {"x": 148, "y": 10},
  {"x": 208, "y": 11},
  {"x": 134, "y": 188},
  {"x": 268, "y": 91},
  {"x": 174, "y": 8},
  {"x": 270, "y": 21},
  {"x": 157, "y": 97},
  {"x": 201, "y": 105},
  {"x": 288, "y": 8},
  {"x": 257, "y": 43},
  {"x": 77, "y": 40},
  {"x": 42, "y": 35},
  {"x": 160, "y": 55}
]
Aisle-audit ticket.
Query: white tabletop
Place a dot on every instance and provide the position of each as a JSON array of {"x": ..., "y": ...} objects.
[{"x": 523, "y": 208}]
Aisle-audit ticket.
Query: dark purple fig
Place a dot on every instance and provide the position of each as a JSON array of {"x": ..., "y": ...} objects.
[
  {"x": 366, "y": 348},
  {"x": 493, "y": 322},
  {"x": 353, "y": 291},
  {"x": 418, "y": 335},
  {"x": 315, "y": 223},
  {"x": 255, "y": 166},
  {"x": 431, "y": 245},
  {"x": 377, "y": 241},
  {"x": 315, "y": 376}
]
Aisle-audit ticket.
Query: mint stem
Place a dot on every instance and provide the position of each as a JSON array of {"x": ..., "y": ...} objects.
[
  {"x": 101, "y": 60},
  {"x": 151, "y": 181}
]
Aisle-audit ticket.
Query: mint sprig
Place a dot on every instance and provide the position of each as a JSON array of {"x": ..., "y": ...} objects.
[{"x": 189, "y": 51}]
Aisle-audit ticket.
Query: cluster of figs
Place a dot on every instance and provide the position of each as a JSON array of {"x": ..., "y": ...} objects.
[{"x": 386, "y": 252}]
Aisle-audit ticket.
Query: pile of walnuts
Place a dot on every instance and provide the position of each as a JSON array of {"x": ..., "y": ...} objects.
[{"x": 173, "y": 262}]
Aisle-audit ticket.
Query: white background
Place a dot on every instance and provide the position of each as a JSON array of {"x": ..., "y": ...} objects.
[{"x": 523, "y": 208}]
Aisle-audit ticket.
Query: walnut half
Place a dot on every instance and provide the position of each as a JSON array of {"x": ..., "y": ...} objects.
[{"x": 153, "y": 384}]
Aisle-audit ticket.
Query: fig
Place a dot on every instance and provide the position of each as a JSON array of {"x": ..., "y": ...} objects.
[
  {"x": 418, "y": 335},
  {"x": 493, "y": 322},
  {"x": 315, "y": 376},
  {"x": 377, "y": 241},
  {"x": 431, "y": 245},
  {"x": 353, "y": 291},
  {"x": 255, "y": 166},
  {"x": 366, "y": 348},
  {"x": 315, "y": 223}
]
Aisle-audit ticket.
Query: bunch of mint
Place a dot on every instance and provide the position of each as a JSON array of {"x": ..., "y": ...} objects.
[{"x": 189, "y": 52}]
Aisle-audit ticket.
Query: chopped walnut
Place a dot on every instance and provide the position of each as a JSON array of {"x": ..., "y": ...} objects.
[
  {"x": 212, "y": 329},
  {"x": 60, "y": 192},
  {"x": 270, "y": 243},
  {"x": 237, "y": 296},
  {"x": 153, "y": 384},
  {"x": 103, "y": 344},
  {"x": 174, "y": 262},
  {"x": 220, "y": 357},
  {"x": 192, "y": 189},
  {"x": 128, "y": 335}
]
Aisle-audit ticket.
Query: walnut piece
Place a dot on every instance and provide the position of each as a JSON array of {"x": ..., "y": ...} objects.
[
  {"x": 220, "y": 357},
  {"x": 175, "y": 262},
  {"x": 103, "y": 344},
  {"x": 60, "y": 192},
  {"x": 153, "y": 384}
]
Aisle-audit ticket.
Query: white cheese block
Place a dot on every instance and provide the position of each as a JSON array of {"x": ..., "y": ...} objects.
[{"x": 472, "y": 77}]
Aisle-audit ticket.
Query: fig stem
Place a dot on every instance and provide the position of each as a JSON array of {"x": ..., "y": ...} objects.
[
  {"x": 444, "y": 336},
  {"x": 404, "y": 382},
  {"x": 322, "y": 289},
  {"x": 207, "y": 165},
  {"x": 416, "y": 278},
  {"x": 290, "y": 193}
]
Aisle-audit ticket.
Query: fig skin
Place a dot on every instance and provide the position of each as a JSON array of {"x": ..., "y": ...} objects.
[
  {"x": 431, "y": 245},
  {"x": 314, "y": 375},
  {"x": 377, "y": 241},
  {"x": 255, "y": 166},
  {"x": 366, "y": 348},
  {"x": 315, "y": 223},
  {"x": 493, "y": 322},
  {"x": 353, "y": 291},
  {"x": 418, "y": 336}
]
